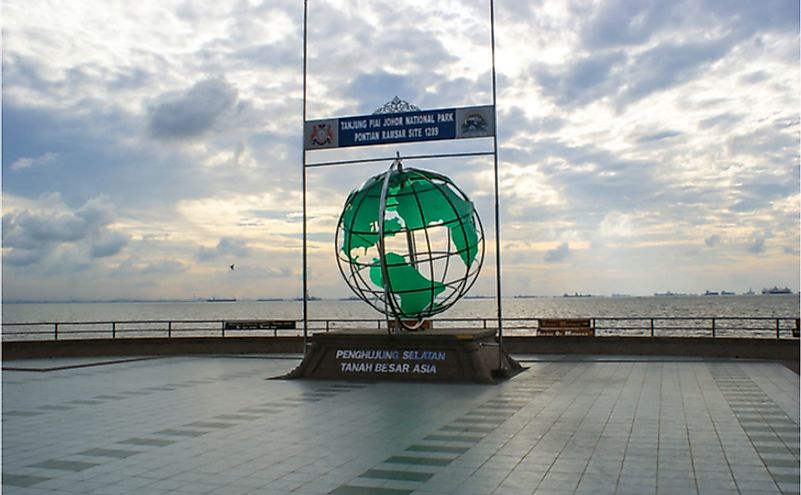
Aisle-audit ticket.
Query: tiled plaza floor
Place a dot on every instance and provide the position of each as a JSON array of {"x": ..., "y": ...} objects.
[{"x": 594, "y": 425}]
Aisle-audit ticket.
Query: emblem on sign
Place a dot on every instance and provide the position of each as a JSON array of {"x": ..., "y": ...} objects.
[
  {"x": 474, "y": 123},
  {"x": 321, "y": 134}
]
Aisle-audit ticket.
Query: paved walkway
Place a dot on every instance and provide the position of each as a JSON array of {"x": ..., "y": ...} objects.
[{"x": 192, "y": 425}]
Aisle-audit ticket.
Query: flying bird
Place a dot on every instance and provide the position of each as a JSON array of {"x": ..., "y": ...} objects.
[{"x": 232, "y": 266}]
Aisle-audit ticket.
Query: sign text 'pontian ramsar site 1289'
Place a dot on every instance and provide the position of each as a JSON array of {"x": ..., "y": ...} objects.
[{"x": 407, "y": 127}]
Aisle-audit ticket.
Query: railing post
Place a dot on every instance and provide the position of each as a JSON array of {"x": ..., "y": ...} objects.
[
  {"x": 778, "y": 335},
  {"x": 113, "y": 329},
  {"x": 55, "y": 331},
  {"x": 652, "y": 327},
  {"x": 713, "y": 328},
  {"x": 327, "y": 322},
  {"x": 169, "y": 329},
  {"x": 222, "y": 328}
]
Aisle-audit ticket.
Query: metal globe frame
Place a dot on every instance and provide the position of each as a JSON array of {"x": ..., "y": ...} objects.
[{"x": 438, "y": 261}]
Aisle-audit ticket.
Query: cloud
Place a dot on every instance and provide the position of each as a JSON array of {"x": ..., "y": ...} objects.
[
  {"x": 712, "y": 240},
  {"x": 32, "y": 235},
  {"x": 657, "y": 136},
  {"x": 617, "y": 225},
  {"x": 558, "y": 254},
  {"x": 108, "y": 243},
  {"x": 193, "y": 112},
  {"x": 625, "y": 22},
  {"x": 23, "y": 257},
  {"x": 24, "y": 229},
  {"x": 724, "y": 121},
  {"x": 631, "y": 49},
  {"x": 756, "y": 243},
  {"x": 793, "y": 250},
  {"x": 668, "y": 65},
  {"x": 229, "y": 247},
  {"x": 25, "y": 162},
  {"x": 582, "y": 81},
  {"x": 377, "y": 88},
  {"x": 163, "y": 267}
]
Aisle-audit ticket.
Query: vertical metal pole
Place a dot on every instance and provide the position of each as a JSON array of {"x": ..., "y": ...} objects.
[
  {"x": 497, "y": 200},
  {"x": 303, "y": 150}
]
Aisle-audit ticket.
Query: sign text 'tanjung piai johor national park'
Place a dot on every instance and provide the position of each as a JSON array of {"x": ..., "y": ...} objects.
[{"x": 408, "y": 127}]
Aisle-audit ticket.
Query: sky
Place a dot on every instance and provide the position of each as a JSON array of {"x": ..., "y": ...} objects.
[{"x": 644, "y": 146}]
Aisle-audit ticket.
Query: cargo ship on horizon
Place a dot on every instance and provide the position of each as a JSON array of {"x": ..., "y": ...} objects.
[{"x": 775, "y": 290}]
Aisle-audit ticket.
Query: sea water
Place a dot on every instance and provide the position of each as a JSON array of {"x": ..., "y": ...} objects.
[{"x": 778, "y": 306}]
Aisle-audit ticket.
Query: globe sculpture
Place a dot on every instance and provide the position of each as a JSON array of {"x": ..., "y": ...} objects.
[{"x": 409, "y": 243}]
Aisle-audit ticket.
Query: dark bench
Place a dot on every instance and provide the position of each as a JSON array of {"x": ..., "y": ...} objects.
[
  {"x": 261, "y": 325},
  {"x": 553, "y": 327}
]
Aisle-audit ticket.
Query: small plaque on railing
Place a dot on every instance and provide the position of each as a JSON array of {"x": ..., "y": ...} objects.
[
  {"x": 261, "y": 325},
  {"x": 565, "y": 326}
]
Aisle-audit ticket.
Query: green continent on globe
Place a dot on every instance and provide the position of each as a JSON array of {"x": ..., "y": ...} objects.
[
  {"x": 417, "y": 200},
  {"x": 360, "y": 218},
  {"x": 416, "y": 292},
  {"x": 428, "y": 203},
  {"x": 438, "y": 225}
]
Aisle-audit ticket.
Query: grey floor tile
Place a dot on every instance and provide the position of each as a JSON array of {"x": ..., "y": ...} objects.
[
  {"x": 209, "y": 424},
  {"x": 180, "y": 433},
  {"x": 115, "y": 453},
  {"x": 64, "y": 465},
  {"x": 22, "y": 480},
  {"x": 387, "y": 474},
  {"x": 437, "y": 449},
  {"x": 419, "y": 461},
  {"x": 151, "y": 442},
  {"x": 358, "y": 490}
]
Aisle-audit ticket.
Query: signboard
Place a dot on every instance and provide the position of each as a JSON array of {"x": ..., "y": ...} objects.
[
  {"x": 447, "y": 355},
  {"x": 407, "y": 127},
  {"x": 390, "y": 361}
]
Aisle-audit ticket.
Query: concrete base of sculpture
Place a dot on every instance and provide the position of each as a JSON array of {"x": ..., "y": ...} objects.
[{"x": 441, "y": 355}]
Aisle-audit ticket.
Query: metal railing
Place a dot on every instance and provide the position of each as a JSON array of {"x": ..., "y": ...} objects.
[{"x": 715, "y": 327}]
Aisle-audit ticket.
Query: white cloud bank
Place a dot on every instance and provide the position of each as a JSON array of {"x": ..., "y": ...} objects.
[{"x": 148, "y": 146}]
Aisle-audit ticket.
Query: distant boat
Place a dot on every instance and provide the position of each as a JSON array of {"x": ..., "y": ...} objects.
[
  {"x": 621, "y": 295},
  {"x": 750, "y": 292},
  {"x": 666, "y": 294},
  {"x": 576, "y": 295},
  {"x": 221, "y": 299},
  {"x": 711, "y": 293},
  {"x": 266, "y": 299},
  {"x": 775, "y": 290},
  {"x": 726, "y": 293}
]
